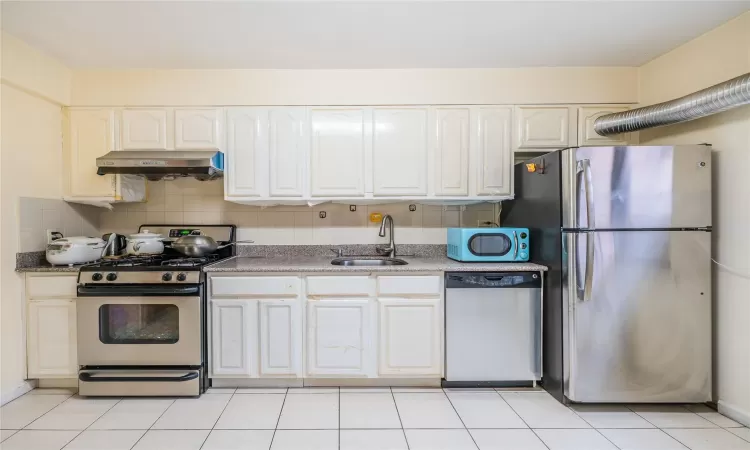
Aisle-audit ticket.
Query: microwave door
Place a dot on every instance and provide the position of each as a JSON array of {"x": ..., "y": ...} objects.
[{"x": 490, "y": 244}]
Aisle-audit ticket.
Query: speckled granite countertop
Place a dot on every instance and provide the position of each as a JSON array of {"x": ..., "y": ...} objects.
[
  {"x": 49, "y": 268},
  {"x": 323, "y": 264},
  {"x": 36, "y": 262}
]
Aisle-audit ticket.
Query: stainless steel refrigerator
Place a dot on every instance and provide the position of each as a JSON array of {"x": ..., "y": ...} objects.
[{"x": 626, "y": 233}]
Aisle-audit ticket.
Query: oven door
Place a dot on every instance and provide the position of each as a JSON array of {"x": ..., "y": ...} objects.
[{"x": 139, "y": 331}]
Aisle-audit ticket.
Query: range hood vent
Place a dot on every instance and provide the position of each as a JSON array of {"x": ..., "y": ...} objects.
[{"x": 163, "y": 164}]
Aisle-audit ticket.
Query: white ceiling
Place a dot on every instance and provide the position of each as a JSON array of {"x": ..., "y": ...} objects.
[{"x": 360, "y": 35}]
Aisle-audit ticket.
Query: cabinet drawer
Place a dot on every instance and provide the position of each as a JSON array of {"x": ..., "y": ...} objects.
[
  {"x": 340, "y": 286},
  {"x": 420, "y": 285},
  {"x": 51, "y": 287},
  {"x": 252, "y": 286}
]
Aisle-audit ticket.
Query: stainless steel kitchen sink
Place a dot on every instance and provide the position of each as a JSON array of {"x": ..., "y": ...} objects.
[{"x": 368, "y": 261}]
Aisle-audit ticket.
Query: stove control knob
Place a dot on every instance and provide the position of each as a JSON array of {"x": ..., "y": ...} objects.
[
  {"x": 181, "y": 277},
  {"x": 166, "y": 277},
  {"x": 96, "y": 276},
  {"x": 111, "y": 276}
]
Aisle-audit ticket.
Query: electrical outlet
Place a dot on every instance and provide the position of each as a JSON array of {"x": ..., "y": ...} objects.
[
  {"x": 50, "y": 234},
  {"x": 485, "y": 224},
  {"x": 352, "y": 207}
]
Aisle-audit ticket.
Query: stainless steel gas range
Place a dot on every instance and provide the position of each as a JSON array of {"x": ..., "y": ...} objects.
[{"x": 142, "y": 320}]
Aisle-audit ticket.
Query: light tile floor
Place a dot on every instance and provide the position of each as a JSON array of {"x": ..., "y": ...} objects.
[{"x": 358, "y": 419}]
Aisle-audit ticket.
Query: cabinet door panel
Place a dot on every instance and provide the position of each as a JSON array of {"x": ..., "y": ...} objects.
[
  {"x": 288, "y": 151},
  {"x": 92, "y": 134},
  {"x": 51, "y": 337},
  {"x": 399, "y": 151},
  {"x": 144, "y": 129},
  {"x": 338, "y": 337},
  {"x": 247, "y": 152},
  {"x": 280, "y": 337},
  {"x": 234, "y": 328},
  {"x": 409, "y": 342},
  {"x": 542, "y": 127},
  {"x": 197, "y": 128},
  {"x": 494, "y": 160},
  {"x": 452, "y": 151},
  {"x": 586, "y": 134},
  {"x": 337, "y": 163}
]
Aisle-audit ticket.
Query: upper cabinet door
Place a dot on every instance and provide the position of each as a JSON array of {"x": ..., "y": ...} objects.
[
  {"x": 287, "y": 144},
  {"x": 451, "y": 151},
  {"x": 92, "y": 134},
  {"x": 197, "y": 128},
  {"x": 337, "y": 160},
  {"x": 247, "y": 152},
  {"x": 494, "y": 162},
  {"x": 280, "y": 337},
  {"x": 586, "y": 134},
  {"x": 234, "y": 330},
  {"x": 542, "y": 127},
  {"x": 144, "y": 129},
  {"x": 399, "y": 151}
]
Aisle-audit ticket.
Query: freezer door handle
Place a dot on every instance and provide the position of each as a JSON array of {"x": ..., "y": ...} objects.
[{"x": 583, "y": 176}]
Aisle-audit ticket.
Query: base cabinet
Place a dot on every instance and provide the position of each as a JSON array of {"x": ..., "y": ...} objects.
[
  {"x": 409, "y": 336},
  {"x": 51, "y": 339},
  {"x": 280, "y": 337},
  {"x": 234, "y": 338},
  {"x": 339, "y": 337}
]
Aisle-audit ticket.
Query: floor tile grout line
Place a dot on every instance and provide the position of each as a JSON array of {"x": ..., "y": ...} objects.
[
  {"x": 523, "y": 420},
  {"x": 278, "y": 420},
  {"x": 403, "y": 431},
  {"x": 592, "y": 426},
  {"x": 747, "y": 440},
  {"x": 45, "y": 413},
  {"x": 152, "y": 425},
  {"x": 462, "y": 420},
  {"x": 217, "y": 419},
  {"x": 81, "y": 432}
]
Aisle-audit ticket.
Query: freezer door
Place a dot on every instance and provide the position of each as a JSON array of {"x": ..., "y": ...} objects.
[
  {"x": 639, "y": 317},
  {"x": 637, "y": 187}
]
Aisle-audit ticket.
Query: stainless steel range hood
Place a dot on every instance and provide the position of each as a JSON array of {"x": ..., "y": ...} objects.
[{"x": 158, "y": 164}]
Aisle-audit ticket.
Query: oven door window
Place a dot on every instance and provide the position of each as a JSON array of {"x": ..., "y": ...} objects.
[
  {"x": 139, "y": 324},
  {"x": 490, "y": 245}
]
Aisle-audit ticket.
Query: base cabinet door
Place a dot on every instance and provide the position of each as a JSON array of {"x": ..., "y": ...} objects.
[
  {"x": 339, "y": 337},
  {"x": 409, "y": 336},
  {"x": 280, "y": 337},
  {"x": 234, "y": 331},
  {"x": 51, "y": 339}
]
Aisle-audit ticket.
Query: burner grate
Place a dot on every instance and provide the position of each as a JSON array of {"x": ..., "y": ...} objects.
[
  {"x": 132, "y": 261},
  {"x": 190, "y": 262}
]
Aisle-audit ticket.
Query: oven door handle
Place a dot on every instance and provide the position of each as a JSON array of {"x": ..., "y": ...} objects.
[
  {"x": 137, "y": 291},
  {"x": 86, "y": 376}
]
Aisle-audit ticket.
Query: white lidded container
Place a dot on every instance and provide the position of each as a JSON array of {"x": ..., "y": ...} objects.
[
  {"x": 74, "y": 250},
  {"x": 145, "y": 243}
]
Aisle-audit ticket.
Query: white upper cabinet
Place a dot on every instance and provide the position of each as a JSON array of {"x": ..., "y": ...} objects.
[
  {"x": 197, "y": 128},
  {"x": 92, "y": 134},
  {"x": 339, "y": 337},
  {"x": 287, "y": 143},
  {"x": 280, "y": 337},
  {"x": 399, "y": 151},
  {"x": 51, "y": 339},
  {"x": 234, "y": 330},
  {"x": 337, "y": 159},
  {"x": 246, "y": 165},
  {"x": 494, "y": 155},
  {"x": 143, "y": 129},
  {"x": 542, "y": 127},
  {"x": 409, "y": 336},
  {"x": 451, "y": 154},
  {"x": 586, "y": 134}
]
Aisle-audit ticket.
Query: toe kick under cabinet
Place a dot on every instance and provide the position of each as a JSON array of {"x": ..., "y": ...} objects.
[{"x": 318, "y": 326}]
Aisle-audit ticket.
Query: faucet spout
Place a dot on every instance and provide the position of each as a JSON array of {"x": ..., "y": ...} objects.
[{"x": 390, "y": 251}]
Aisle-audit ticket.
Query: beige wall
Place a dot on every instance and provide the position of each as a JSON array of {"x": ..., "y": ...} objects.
[
  {"x": 721, "y": 54},
  {"x": 33, "y": 87},
  {"x": 355, "y": 87}
]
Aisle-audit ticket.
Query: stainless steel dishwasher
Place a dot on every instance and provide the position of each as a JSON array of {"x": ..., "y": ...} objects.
[{"x": 493, "y": 328}]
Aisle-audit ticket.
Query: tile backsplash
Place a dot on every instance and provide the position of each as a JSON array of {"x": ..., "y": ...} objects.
[
  {"x": 191, "y": 202},
  {"x": 37, "y": 215}
]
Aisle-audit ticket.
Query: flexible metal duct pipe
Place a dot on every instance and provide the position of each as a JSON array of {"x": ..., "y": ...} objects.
[{"x": 715, "y": 99}]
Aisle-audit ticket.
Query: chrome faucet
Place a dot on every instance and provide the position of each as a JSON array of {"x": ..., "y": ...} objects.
[{"x": 389, "y": 251}]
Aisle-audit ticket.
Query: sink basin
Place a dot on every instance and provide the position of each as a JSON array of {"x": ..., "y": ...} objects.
[{"x": 364, "y": 261}]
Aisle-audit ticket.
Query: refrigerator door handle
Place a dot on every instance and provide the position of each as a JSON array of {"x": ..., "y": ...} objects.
[
  {"x": 583, "y": 168},
  {"x": 588, "y": 278}
]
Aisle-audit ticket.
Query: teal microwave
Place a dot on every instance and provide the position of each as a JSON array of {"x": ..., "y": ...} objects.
[{"x": 488, "y": 244}]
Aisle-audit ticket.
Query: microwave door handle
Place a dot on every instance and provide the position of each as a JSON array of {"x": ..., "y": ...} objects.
[{"x": 515, "y": 245}]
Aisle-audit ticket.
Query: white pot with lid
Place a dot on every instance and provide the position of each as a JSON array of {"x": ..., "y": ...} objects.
[
  {"x": 145, "y": 243},
  {"x": 74, "y": 250}
]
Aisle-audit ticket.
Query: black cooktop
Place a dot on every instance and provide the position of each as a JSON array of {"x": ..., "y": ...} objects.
[{"x": 169, "y": 259}]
